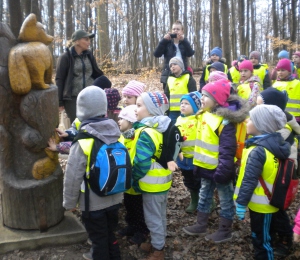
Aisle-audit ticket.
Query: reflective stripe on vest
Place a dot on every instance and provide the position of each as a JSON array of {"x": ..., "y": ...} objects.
[
  {"x": 235, "y": 75},
  {"x": 207, "y": 72},
  {"x": 188, "y": 126},
  {"x": 177, "y": 87},
  {"x": 293, "y": 90},
  {"x": 259, "y": 201},
  {"x": 261, "y": 72},
  {"x": 206, "y": 153},
  {"x": 157, "y": 179}
]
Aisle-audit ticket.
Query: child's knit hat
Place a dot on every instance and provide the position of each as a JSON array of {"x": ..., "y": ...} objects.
[
  {"x": 255, "y": 54},
  {"x": 113, "y": 98},
  {"x": 102, "y": 82},
  {"x": 216, "y": 51},
  {"x": 219, "y": 91},
  {"x": 297, "y": 53},
  {"x": 128, "y": 113},
  {"x": 246, "y": 65},
  {"x": 283, "y": 54},
  {"x": 194, "y": 99},
  {"x": 91, "y": 102},
  {"x": 217, "y": 75},
  {"x": 133, "y": 88},
  {"x": 242, "y": 58},
  {"x": 267, "y": 118},
  {"x": 219, "y": 66},
  {"x": 284, "y": 64},
  {"x": 272, "y": 96},
  {"x": 178, "y": 61},
  {"x": 156, "y": 103}
]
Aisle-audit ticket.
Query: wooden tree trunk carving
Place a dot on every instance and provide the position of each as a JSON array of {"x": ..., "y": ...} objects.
[{"x": 31, "y": 177}]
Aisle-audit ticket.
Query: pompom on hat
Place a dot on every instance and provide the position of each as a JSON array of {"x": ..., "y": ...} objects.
[
  {"x": 284, "y": 64},
  {"x": 268, "y": 119},
  {"x": 194, "y": 98},
  {"x": 128, "y": 113},
  {"x": 156, "y": 103},
  {"x": 219, "y": 91},
  {"x": 133, "y": 88},
  {"x": 91, "y": 102},
  {"x": 217, "y": 75},
  {"x": 246, "y": 65}
]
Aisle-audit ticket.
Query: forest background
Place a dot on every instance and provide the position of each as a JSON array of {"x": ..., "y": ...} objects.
[{"x": 127, "y": 31}]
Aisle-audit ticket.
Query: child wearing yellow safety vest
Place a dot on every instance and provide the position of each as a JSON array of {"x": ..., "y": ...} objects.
[
  {"x": 149, "y": 177},
  {"x": 260, "y": 159},
  {"x": 102, "y": 219},
  {"x": 234, "y": 70},
  {"x": 190, "y": 104},
  {"x": 214, "y": 156},
  {"x": 286, "y": 81},
  {"x": 249, "y": 86},
  {"x": 180, "y": 82},
  {"x": 296, "y": 61},
  {"x": 136, "y": 227}
]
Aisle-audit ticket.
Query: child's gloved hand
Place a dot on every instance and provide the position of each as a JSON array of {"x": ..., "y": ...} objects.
[{"x": 240, "y": 211}]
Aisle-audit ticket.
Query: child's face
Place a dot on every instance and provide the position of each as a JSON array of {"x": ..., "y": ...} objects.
[
  {"x": 186, "y": 108},
  {"x": 129, "y": 100},
  {"x": 296, "y": 59},
  {"x": 282, "y": 74},
  {"x": 141, "y": 110},
  {"x": 251, "y": 129},
  {"x": 245, "y": 74},
  {"x": 124, "y": 124},
  {"x": 212, "y": 69},
  {"x": 207, "y": 103},
  {"x": 214, "y": 58},
  {"x": 254, "y": 61},
  {"x": 175, "y": 69}
]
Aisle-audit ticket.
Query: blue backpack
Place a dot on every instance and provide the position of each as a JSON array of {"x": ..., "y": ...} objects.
[{"x": 110, "y": 167}]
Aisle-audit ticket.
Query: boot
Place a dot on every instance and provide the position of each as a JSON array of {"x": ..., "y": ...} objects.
[
  {"x": 156, "y": 255},
  {"x": 223, "y": 234},
  {"x": 283, "y": 248},
  {"x": 199, "y": 229},
  {"x": 193, "y": 203}
]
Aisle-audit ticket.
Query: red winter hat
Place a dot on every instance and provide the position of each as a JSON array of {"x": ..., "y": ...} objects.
[
  {"x": 284, "y": 64},
  {"x": 246, "y": 65},
  {"x": 219, "y": 91},
  {"x": 297, "y": 53}
]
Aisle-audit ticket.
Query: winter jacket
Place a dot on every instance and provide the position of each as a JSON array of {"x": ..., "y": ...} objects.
[
  {"x": 237, "y": 112},
  {"x": 297, "y": 223},
  {"x": 108, "y": 132},
  {"x": 64, "y": 73},
  {"x": 256, "y": 160}
]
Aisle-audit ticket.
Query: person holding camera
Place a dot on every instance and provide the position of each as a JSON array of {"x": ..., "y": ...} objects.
[{"x": 174, "y": 44}]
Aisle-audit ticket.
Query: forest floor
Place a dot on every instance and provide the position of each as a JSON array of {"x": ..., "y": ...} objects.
[{"x": 178, "y": 244}]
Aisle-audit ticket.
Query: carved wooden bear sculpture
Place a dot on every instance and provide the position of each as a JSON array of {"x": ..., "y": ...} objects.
[{"x": 30, "y": 61}]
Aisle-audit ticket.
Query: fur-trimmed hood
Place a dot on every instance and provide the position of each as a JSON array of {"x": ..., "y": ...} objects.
[{"x": 236, "y": 112}]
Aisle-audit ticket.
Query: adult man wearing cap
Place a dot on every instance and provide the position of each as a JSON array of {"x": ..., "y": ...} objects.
[{"x": 76, "y": 69}]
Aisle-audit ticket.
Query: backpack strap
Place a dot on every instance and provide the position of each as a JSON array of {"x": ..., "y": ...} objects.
[{"x": 263, "y": 184}]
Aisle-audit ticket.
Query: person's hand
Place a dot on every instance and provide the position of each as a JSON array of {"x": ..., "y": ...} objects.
[
  {"x": 52, "y": 145},
  {"x": 180, "y": 156},
  {"x": 172, "y": 166},
  {"x": 61, "y": 133},
  {"x": 61, "y": 109},
  {"x": 240, "y": 211},
  {"x": 167, "y": 36},
  {"x": 180, "y": 36},
  {"x": 296, "y": 238}
]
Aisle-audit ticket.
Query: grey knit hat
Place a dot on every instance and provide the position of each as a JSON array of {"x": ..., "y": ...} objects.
[
  {"x": 178, "y": 61},
  {"x": 268, "y": 118},
  {"x": 156, "y": 103},
  {"x": 91, "y": 102}
]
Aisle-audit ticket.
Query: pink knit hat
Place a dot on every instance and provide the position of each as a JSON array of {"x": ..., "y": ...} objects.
[
  {"x": 297, "y": 53},
  {"x": 216, "y": 75},
  {"x": 284, "y": 64},
  {"x": 133, "y": 88},
  {"x": 218, "y": 91},
  {"x": 128, "y": 113},
  {"x": 246, "y": 65}
]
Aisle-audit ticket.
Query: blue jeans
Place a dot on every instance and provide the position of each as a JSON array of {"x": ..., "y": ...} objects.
[{"x": 225, "y": 192}]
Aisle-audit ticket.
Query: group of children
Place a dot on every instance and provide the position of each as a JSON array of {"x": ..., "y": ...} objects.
[{"x": 208, "y": 121}]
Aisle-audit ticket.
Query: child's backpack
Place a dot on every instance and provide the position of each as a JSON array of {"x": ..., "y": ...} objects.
[
  {"x": 285, "y": 186},
  {"x": 110, "y": 167}
]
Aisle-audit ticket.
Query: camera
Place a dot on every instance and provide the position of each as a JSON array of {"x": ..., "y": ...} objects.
[{"x": 173, "y": 35}]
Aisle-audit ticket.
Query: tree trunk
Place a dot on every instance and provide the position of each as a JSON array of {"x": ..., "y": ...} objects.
[
  {"x": 103, "y": 39},
  {"x": 197, "y": 41},
  {"x": 36, "y": 10},
  {"x": 27, "y": 7},
  {"x": 248, "y": 27},
  {"x": 69, "y": 25},
  {"x": 225, "y": 31},
  {"x": 216, "y": 32},
  {"x": 293, "y": 20},
  {"x": 15, "y": 18},
  {"x": 151, "y": 31},
  {"x": 171, "y": 12},
  {"x": 1, "y": 10},
  {"x": 233, "y": 31},
  {"x": 51, "y": 22},
  {"x": 253, "y": 23},
  {"x": 241, "y": 16},
  {"x": 275, "y": 26},
  {"x": 176, "y": 11}
]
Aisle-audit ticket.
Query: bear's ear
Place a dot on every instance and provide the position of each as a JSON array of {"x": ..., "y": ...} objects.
[{"x": 29, "y": 21}]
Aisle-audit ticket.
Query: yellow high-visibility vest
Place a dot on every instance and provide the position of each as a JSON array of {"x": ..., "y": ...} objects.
[{"x": 177, "y": 87}]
